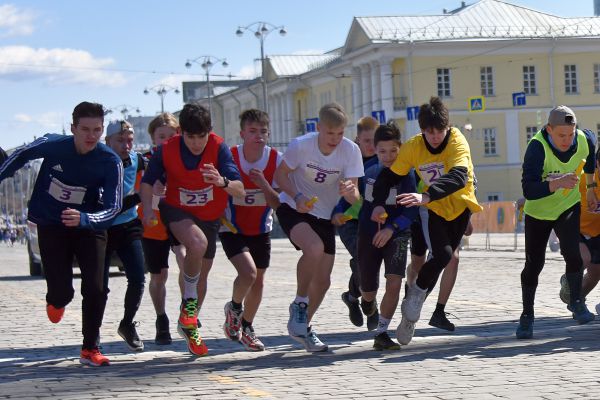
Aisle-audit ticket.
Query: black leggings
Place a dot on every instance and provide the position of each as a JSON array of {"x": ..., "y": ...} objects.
[
  {"x": 58, "y": 246},
  {"x": 444, "y": 237},
  {"x": 537, "y": 233}
]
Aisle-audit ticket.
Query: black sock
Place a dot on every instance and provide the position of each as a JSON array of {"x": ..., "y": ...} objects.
[
  {"x": 245, "y": 323},
  {"x": 528, "y": 299},
  {"x": 236, "y": 306},
  {"x": 439, "y": 307},
  {"x": 368, "y": 307},
  {"x": 575, "y": 279}
]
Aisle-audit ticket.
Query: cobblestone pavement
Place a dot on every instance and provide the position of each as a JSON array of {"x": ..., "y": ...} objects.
[{"x": 481, "y": 360}]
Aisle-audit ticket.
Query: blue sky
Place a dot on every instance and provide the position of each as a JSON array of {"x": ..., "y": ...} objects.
[{"x": 55, "y": 54}]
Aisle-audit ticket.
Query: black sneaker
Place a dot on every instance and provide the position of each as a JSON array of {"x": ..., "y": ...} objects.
[
  {"x": 163, "y": 335},
  {"x": 129, "y": 334},
  {"x": 354, "y": 313},
  {"x": 439, "y": 320},
  {"x": 383, "y": 342},
  {"x": 372, "y": 313}
]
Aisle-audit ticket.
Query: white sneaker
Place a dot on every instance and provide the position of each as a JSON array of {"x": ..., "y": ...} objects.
[
  {"x": 405, "y": 331},
  {"x": 413, "y": 303},
  {"x": 311, "y": 342},
  {"x": 298, "y": 322},
  {"x": 598, "y": 308}
]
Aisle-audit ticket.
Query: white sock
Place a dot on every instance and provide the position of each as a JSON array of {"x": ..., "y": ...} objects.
[
  {"x": 300, "y": 299},
  {"x": 382, "y": 325},
  {"x": 190, "y": 286}
]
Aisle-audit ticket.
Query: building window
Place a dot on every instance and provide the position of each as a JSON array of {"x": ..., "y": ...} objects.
[
  {"x": 529, "y": 86},
  {"x": 487, "y": 81},
  {"x": 494, "y": 196},
  {"x": 489, "y": 141},
  {"x": 443, "y": 82},
  {"x": 571, "y": 79},
  {"x": 530, "y": 131},
  {"x": 596, "y": 78}
]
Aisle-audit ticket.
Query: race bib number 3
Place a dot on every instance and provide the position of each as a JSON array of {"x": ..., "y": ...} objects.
[
  {"x": 65, "y": 193},
  {"x": 253, "y": 198},
  {"x": 195, "y": 198},
  {"x": 431, "y": 172}
]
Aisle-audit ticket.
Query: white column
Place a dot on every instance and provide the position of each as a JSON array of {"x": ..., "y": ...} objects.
[
  {"x": 375, "y": 86},
  {"x": 386, "y": 83},
  {"x": 513, "y": 142},
  {"x": 365, "y": 73},
  {"x": 289, "y": 115},
  {"x": 281, "y": 113},
  {"x": 357, "y": 97}
]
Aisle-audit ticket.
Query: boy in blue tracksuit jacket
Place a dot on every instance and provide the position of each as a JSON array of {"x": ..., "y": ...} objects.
[
  {"x": 387, "y": 242},
  {"x": 77, "y": 194}
]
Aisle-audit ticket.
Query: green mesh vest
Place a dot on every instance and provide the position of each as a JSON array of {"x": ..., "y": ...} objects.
[{"x": 550, "y": 207}]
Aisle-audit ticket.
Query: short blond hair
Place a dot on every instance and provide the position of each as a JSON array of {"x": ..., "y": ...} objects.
[
  {"x": 366, "y": 124},
  {"x": 164, "y": 119},
  {"x": 333, "y": 114}
]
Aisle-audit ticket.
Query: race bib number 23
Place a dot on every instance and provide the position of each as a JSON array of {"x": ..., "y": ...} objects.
[{"x": 195, "y": 198}]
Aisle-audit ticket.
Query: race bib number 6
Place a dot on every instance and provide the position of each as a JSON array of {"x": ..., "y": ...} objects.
[
  {"x": 253, "y": 198},
  {"x": 431, "y": 172},
  {"x": 65, "y": 193},
  {"x": 195, "y": 198}
]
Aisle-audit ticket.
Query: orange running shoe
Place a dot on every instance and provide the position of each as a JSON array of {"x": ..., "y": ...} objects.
[
  {"x": 54, "y": 314},
  {"x": 188, "y": 317},
  {"x": 195, "y": 343},
  {"x": 93, "y": 357}
]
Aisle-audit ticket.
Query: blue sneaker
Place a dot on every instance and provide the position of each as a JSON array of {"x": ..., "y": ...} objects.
[
  {"x": 581, "y": 314},
  {"x": 525, "y": 328},
  {"x": 298, "y": 322}
]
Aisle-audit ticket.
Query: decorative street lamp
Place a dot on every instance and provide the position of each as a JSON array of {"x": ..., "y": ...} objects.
[
  {"x": 207, "y": 63},
  {"x": 261, "y": 30},
  {"x": 162, "y": 91},
  {"x": 124, "y": 109}
]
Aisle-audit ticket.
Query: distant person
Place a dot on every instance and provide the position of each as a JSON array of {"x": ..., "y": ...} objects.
[
  {"x": 551, "y": 173},
  {"x": 71, "y": 220}
]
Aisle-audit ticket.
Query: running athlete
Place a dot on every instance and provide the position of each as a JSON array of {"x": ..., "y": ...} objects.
[
  {"x": 77, "y": 172},
  {"x": 365, "y": 131},
  {"x": 441, "y": 157},
  {"x": 125, "y": 233},
  {"x": 155, "y": 240},
  {"x": 589, "y": 241},
  {"x": 387, "y": 242},
  {"x": 248, "y": 246},
  {"x": 200, "y": 173},
  {"x": 316, "y": 170},
  {"x": 551, "y": 172}
]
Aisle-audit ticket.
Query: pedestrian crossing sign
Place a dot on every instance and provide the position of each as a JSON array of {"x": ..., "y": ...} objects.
[{"x": 476, "y": 104}]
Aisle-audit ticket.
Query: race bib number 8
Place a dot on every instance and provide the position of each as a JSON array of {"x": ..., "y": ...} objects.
[
  {"x": 317, "y": 174},
  {"x": 65, "y": 193},
  {"x": 431, "y": 172},
  {"x": 195, "y": 198},
  {"x": 253, "y": 198}
]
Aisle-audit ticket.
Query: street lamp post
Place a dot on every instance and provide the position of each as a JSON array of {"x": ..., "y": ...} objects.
[
  {"x": 124, "y": 109},
  {"x": 261, "y": 30},
  {"x": 162, "y": 91},
  {"x": 207, "y": 63}
]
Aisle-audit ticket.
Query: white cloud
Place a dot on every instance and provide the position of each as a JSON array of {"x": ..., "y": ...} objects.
[
  {"x": 248, "y": 71},
  {"x": 57, "y": 66},
  {"x": 23, "y": 118},
  {"x": 50, "y": 121},
  {"x": 15, "y": 22}
]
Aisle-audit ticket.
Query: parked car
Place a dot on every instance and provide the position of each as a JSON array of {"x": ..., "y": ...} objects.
[{"x": 36, "y": 268}]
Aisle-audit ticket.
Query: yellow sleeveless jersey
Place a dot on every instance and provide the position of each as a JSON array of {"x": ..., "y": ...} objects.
[{"x": 430, "y": 167}]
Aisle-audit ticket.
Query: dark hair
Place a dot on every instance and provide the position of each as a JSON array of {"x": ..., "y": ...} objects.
[
  {"x": 195, "y": 119},
  {"x": 87, "y": 110},
  {"x": 434, "y": 115},
  {"x": 254, "y": 115},
  {"x": 389, "y": 131}
]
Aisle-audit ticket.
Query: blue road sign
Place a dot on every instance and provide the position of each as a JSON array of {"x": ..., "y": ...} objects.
[
  {"x": 477, "y": 104},
  {"x": 379, "y": 115},
  {"x": 519, "y": 99},
  {"x": 412, "y": 113},
  {"x": 311, "y": 124}
]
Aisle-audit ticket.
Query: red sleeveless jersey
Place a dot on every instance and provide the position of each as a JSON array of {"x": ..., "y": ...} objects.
[
  {"x": 186, "y": 188},
  {"x": 250, "y": 214}
]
